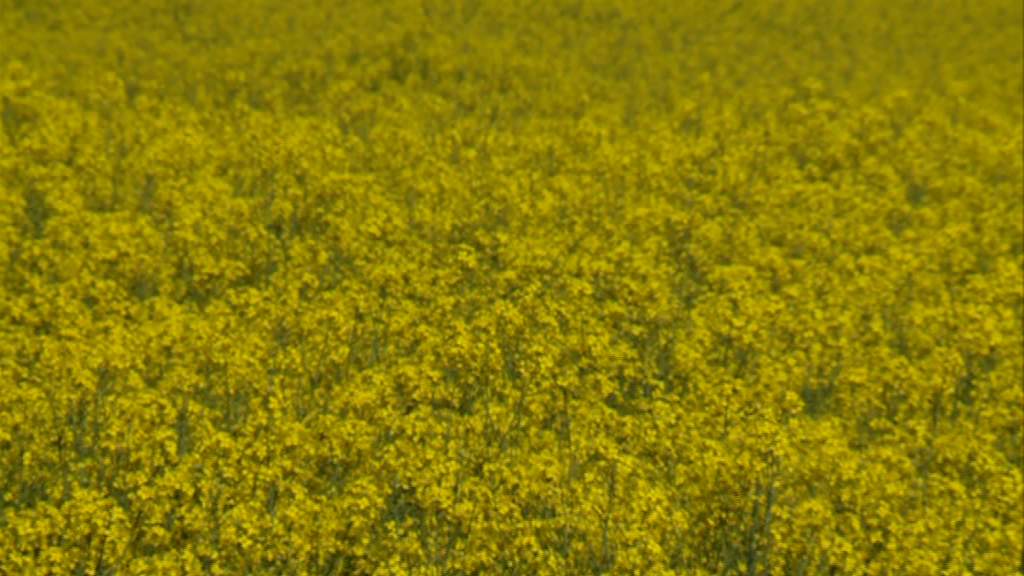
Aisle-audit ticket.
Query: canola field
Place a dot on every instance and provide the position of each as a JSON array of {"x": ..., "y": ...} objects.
[{"x": 511, "y": 287}]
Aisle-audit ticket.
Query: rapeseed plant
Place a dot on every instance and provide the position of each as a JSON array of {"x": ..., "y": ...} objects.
[{"x": 531, "y": 288}]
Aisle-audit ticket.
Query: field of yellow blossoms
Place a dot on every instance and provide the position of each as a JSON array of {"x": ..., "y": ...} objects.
[{"x": 523, "y": 287}]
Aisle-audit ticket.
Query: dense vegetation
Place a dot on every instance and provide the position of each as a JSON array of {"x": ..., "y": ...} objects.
[{"x": 444, "y": 287}]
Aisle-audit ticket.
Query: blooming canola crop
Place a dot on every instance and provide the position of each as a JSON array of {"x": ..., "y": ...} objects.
[{"x": 466, "y": 287}]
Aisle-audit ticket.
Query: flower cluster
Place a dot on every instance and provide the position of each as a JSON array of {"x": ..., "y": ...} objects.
[{"x": 484, "y": 287}]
